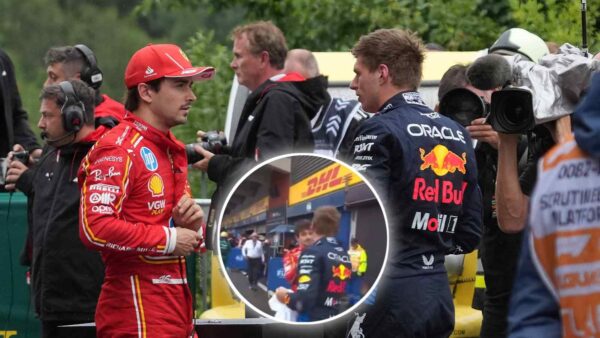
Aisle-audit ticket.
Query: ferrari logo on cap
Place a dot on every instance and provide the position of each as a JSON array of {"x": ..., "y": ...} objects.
[{"x": 183, "y": 54}]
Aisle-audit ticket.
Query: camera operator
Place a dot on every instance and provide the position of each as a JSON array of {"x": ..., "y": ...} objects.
[
  {"x": 512, "y": 188},
  {"x": 59, "y": 259},
  {"x": 499, "y": 251}
]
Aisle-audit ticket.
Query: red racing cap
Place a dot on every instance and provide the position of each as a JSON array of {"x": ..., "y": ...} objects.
[{"x": 164, "y": 60}]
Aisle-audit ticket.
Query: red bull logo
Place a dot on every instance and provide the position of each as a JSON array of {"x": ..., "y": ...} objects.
[
  {"x": 341, "y": 272},
  {"x": 332, "y": 287},
  {"x": 443, "y": 161}
]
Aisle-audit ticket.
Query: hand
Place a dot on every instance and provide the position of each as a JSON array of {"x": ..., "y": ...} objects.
[
  {"x": 16, "y": 169},
  {"x": 483, "y": 132},
  {"x": 35, "y": 155},
  {"x": 17, "y": 148},
  {"x": 188, "y": 214},
  {"x": 281, "y": 294},
  {"x": 508, "y": 140},
  {"x": 199, "y": 135},
  {"x": 187, "y": 241},
  {"x": 202, "y": 164}
]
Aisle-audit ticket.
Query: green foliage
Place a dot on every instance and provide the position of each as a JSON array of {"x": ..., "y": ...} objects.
[
  {"x": 556, "y": 20},
  {"x": 210, "y": 109},
  {"x": 29, "y": 28},
  {"x": 334, "y": 25}
]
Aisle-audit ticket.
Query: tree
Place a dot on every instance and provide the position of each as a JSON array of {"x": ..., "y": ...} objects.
[
  {"x": 210, "y": 110},
  {"x": 334, "y": 25},
  {"x": 557, "y": 21},
  {"x": 29, "y": 28}
]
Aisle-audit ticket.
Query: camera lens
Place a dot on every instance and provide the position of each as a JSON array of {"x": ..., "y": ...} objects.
[
  {"x": 462, "y": 105},
  {"x": 192, "y": 155},
  {"x": 512, "y": 111}
]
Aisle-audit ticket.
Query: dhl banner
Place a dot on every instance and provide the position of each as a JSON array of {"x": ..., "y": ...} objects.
[{"x": 326, "y": 180}]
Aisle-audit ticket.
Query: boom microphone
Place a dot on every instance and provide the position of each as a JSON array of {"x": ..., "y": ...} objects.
[
  {"x": 54, "y": 141},
  {"x": 490, "y": 72}
]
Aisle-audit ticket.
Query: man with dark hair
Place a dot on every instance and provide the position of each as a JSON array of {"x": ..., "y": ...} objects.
[
  {"x": 136, "y": 205},
  {"x": 324, "y": 270},
  {"x": 79, "y": 62},
  {"x": 66, "y": 277},
  {"x": 276, "y": 116},
  {"x": 423, "y": 167},
  {"x": 499, "y": 251},
  {"x": 14, "y": 126},
  {"x": 336, "y": 119},
  {"x": 305, "y": 238}
]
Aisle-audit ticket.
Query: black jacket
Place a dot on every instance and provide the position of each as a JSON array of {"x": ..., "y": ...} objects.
[
  {"x": 14, "y": 128},
  {"x": 275, "y": 120},
  {"x": 324, "y": 270},
  {"x": 335, "y": 120},
  {"x": 66, "y": 277},
  {"x": 425, "y": 171}
]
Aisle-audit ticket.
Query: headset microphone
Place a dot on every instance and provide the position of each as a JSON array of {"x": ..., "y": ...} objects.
[{"x": 53, "y": 141}]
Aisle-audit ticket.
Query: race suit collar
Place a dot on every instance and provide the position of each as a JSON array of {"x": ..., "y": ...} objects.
[
  {"x": 400, "y": 99},
  {"x": 153, "y": 134}
]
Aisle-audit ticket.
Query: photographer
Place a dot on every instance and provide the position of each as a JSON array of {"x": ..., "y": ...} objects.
[
  {"x": 512, "y": 187},
  {"x": 469, "y": 106},
  {"x": 59, "y": 259},
  {"x": 276, "y": 116}
]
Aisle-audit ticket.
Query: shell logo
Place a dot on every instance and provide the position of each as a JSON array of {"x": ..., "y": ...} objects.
[
  {"x": 156, "y": 186},
  {"x": 304, "y": 279}
]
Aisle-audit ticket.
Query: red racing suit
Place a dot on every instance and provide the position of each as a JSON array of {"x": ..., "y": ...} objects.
[
  {"x": 131, "y": 180},
  {"x": 290, "y": 266}
]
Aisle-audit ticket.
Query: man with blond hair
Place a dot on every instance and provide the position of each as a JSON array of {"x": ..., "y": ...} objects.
[
  {"x": 323, "y": 269},
  {"x": 275, "y": 118},
  {"x": 423, "y": 167}
]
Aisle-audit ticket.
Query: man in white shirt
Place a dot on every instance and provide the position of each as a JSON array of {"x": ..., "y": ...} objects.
[{"x": 253, "y": 253}]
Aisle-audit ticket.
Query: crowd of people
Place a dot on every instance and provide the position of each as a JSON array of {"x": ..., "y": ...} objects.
[{"x": 111, "y": 213}]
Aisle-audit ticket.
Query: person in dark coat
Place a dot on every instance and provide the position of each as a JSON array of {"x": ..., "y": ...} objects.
[{"x": 66, "y": 277}]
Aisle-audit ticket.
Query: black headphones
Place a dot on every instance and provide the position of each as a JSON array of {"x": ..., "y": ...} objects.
[
  {"x": 73, "y": 110},
  {"x": 91, "y": 73}
]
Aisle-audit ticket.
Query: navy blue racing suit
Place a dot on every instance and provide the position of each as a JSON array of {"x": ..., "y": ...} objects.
[
  {"x": 324, "y": 269},
  {"x": 423, "y": 166}
]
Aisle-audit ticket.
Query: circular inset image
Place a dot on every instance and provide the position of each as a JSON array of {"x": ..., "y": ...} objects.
[{"x": 303, "y": 238}]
